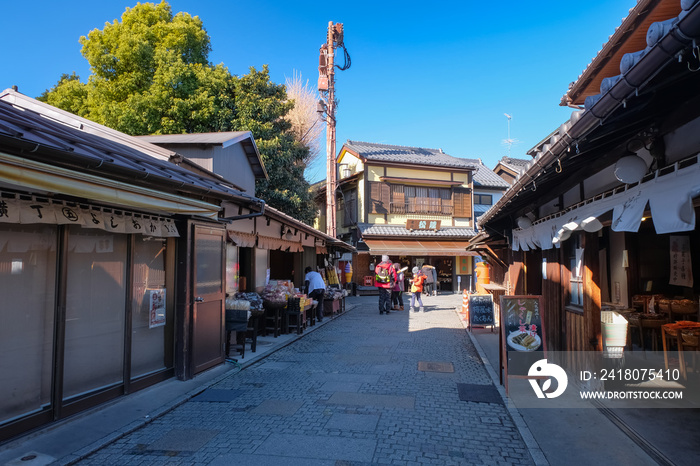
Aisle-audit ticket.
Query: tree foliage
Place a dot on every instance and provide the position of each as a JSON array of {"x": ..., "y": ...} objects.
[
  {"x": 150, "y": 74},
  {"x": 261, "y": 107}
]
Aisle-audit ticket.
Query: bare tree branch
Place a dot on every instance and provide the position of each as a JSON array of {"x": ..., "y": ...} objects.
[{"x": 307, "y": 126}]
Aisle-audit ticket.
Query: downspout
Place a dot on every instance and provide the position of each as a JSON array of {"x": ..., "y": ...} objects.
[
  {"x": 251, "y": 215},
  {"x": 581, "y": 122}
]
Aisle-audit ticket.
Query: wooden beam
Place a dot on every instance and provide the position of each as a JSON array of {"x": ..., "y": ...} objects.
[{"x": 591, "y": 292}]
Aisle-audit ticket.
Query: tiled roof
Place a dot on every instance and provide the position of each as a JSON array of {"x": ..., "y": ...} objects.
[
  {"x": 486, "y": 178},
  {"x": 224, "y": 139},
  {"x": 399, "y": 230},
  {"x": 515, "y": 164},
  {"x": 629, "y": 37},
  {"x": 106, "y": 152},
  {"x": 410, "y": 155}
]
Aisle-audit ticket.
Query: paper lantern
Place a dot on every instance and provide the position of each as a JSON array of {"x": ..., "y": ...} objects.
[{"x": 630, "y": 169}]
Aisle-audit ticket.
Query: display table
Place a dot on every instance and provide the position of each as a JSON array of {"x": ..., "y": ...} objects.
[
  {"x": 683, "y": 333},
  {"x": 333, "y": 306}
]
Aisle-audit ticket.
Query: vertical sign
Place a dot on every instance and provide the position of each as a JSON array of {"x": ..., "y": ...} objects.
[
  {"x": 156, "y": 308},
  {"x": 681, "y": 265},
  {"x": 521, "y": 332},
  {"x": 481, "y": 310}
]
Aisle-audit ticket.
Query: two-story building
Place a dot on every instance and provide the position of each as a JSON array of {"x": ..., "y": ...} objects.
[
  {"x": 414, "y": 204},
  {"x": 271, "y": 245}
]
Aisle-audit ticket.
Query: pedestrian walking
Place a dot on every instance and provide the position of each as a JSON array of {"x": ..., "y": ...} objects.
[
  {"x": 430, "y": 279},
  {"x": 417, "y": 289},
  {"x": 384, "y": 280},
  {"x": 315, "y": 289},
  {"x": 397, "y": 291}
]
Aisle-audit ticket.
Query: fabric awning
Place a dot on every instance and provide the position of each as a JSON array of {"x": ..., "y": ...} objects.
[
  {"x": 669, "y": 195},
  {"x": 266, "y": 242},
  {"x": 242, "y": 240},
  {"x": 418, "y": 247},
  {"x": 39, "y": 176}
]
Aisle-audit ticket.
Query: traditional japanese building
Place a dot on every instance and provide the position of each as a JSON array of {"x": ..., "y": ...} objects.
[
  {"x": 112, "y": 263},
  {"x": 414, "y": 204},
  {"x": 604, "y": 217}
]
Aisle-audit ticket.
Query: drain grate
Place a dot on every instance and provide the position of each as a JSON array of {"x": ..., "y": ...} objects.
[
  {"x": 479, "y": 393},
  {"x": 214, "y": 395},
  {"x": 427, "y": 366}
]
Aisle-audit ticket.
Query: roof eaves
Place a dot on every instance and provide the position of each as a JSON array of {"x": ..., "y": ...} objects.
[{"x": 669, "y": 38}]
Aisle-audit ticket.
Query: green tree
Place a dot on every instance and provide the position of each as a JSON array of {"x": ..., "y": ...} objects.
[
  {"x": 261, "y": 107},
  {"x": 150, "y": 74},
  {"x": 68, "y": 94}
]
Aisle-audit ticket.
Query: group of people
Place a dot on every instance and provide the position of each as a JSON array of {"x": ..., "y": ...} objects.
[{"x": 389, "y": 279}]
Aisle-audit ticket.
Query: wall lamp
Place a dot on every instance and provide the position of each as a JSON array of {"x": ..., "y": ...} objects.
[
  {"x": 631, "y": 168},
  {"x": 287, "y": 233},
  {"x": 525, "y": 221}
]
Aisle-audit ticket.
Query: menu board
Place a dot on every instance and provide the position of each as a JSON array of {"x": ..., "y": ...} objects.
[
  {"x": 521, "y": 331},
  {"x": 481, "y": 310}
]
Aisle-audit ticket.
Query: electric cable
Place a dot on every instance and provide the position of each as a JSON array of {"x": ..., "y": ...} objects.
[{"x": 348, "y": 62}]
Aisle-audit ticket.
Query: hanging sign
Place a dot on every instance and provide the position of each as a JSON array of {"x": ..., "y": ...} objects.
[
  {"x": 681, "y": 265},
  {"x": 30, "y": 211}
]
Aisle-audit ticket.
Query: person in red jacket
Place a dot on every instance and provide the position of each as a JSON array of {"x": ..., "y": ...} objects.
[{"x": 384, "y": 279}]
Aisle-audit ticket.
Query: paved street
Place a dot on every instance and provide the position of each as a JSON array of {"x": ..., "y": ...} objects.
[{"x": 362, "y": 389}]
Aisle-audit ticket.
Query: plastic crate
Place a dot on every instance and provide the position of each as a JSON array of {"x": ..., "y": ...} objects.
[{"x": 614, "y": 327}]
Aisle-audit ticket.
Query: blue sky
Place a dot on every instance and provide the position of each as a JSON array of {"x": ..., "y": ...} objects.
[{"x": 427, "y": 74}]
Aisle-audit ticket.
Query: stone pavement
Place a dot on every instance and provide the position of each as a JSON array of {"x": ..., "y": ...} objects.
[{"x": 363, "y": 389}]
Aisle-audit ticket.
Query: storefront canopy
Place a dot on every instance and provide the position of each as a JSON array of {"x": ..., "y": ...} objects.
[{"x": 418, "y": 247}]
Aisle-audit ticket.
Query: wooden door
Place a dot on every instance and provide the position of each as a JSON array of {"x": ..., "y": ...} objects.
[{"x": 209, "y": 296}]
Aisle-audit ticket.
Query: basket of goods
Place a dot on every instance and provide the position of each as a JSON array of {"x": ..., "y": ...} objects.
[
  {"x": 237, "y": 304},
  {"x": 255, "y": 301},
  {"x": 275, "y": 295}
]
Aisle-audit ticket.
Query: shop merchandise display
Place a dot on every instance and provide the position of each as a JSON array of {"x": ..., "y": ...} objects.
[
  {"x": 331, "y": 276},
  {"x": 334, "y": 293},
  {"x": 277, "y": 292},
  {"x": 254, "y": 300},
  {"x": 237, "y": 304}
]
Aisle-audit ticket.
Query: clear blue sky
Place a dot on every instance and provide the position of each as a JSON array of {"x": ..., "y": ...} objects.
[{"x": 428, "y": 74}]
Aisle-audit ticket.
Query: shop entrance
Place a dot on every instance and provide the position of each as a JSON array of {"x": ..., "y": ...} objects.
[{"x": 209, "y": 296}]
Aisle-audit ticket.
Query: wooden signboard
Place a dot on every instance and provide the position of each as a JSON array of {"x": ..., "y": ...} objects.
[
  {"x": 481, "y": 311},
  {"x": 414, "y": 224},
  {"x": 522, "y": 332}
]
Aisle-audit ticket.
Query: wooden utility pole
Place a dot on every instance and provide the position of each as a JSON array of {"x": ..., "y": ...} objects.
[{"x": 326, "y": 87}]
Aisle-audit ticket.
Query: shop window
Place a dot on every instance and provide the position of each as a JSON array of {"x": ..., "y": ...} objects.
[
  {"x": 95, "y": 310},
  {"x": 27, "y": 290},
  {"x": 232, "y": 269},
  {"x": 149, "y": 311}
]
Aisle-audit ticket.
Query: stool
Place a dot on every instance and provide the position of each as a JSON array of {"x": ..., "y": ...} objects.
[
  {"x": 273, "y": 317},
  {"x": 652, "y": 325},
  {"x": 236, "y": 321},
  {"x": 311, "y": 315},
  {"x": 252, "y": 332},
  {"x": 294, "y": 316}
]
